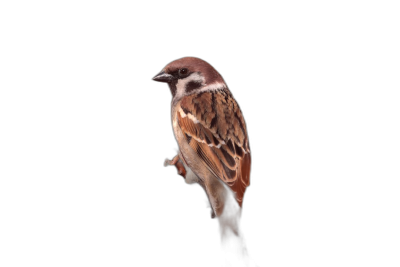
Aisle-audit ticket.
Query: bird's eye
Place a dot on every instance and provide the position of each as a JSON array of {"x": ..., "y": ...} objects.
[{"x": 183, "y": 72}]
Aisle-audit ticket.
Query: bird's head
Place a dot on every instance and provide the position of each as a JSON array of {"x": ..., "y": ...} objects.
[{"x": 190, "y": 75}]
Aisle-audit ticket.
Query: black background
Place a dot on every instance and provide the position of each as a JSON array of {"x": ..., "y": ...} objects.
[{"x": 107, "y": 196}]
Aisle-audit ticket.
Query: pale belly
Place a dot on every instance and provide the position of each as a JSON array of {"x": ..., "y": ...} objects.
[{"x": 216, "y": 191}]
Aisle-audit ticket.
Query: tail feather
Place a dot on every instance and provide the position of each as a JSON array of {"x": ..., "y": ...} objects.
[{"x": 232, "y": 241}]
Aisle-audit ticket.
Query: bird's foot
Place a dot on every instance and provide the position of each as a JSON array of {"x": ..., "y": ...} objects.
[
  {"x": 178, "y": 164},
  {"x": 212, "y": 213},
  {"x": 209, "y": 206},
  {"x": 168, "y": 162}
]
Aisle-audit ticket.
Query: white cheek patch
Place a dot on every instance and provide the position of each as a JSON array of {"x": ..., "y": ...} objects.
[{"x": 181, "y": 85}]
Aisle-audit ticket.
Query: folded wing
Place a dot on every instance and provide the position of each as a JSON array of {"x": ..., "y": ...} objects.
[{"x": 215, "y": 129}]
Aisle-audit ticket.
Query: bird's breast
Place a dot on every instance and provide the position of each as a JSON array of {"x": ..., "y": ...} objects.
[
  {"x": 215, "y": 190},
  {"x": 191, "y": 157}
]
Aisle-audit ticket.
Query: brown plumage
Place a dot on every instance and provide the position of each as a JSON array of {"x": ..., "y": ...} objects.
[
  {"x": 209, "y": 127},
  {"x": 220, "y": 137}
]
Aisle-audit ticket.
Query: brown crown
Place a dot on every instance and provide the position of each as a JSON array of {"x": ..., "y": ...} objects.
[{"x": 194, "y": 64}]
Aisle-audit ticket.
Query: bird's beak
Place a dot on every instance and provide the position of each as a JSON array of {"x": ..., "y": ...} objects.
[{"x": 163, "y": 77}]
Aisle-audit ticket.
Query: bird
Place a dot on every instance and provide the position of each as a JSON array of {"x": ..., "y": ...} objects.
[{"x": 210, "y": 130}]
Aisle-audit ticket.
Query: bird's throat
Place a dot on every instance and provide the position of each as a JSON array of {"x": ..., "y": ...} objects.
[{"x": 172, "y": 88}]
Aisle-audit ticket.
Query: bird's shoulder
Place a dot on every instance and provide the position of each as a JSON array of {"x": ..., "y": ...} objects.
[{"x": 218, "y": 112}]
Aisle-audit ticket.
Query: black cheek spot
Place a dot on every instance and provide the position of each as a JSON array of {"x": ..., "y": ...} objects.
[{"x": 192, "y": 85}]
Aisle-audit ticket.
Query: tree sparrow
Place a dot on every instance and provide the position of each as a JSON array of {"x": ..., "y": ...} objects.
[{"x": 210, "y": 130}]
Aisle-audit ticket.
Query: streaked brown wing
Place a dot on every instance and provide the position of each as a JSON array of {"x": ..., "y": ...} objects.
[{"x": 214, "y": 127}]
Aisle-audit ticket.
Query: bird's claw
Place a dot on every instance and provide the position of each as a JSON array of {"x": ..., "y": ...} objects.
[
  {"x": 168, "y": 162},
  {"x": 212, "y": 213},
  {"x": 178, "y": 164}
]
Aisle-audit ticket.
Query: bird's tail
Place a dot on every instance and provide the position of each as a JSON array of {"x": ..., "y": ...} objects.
[{"x": 232, "y": 241}]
